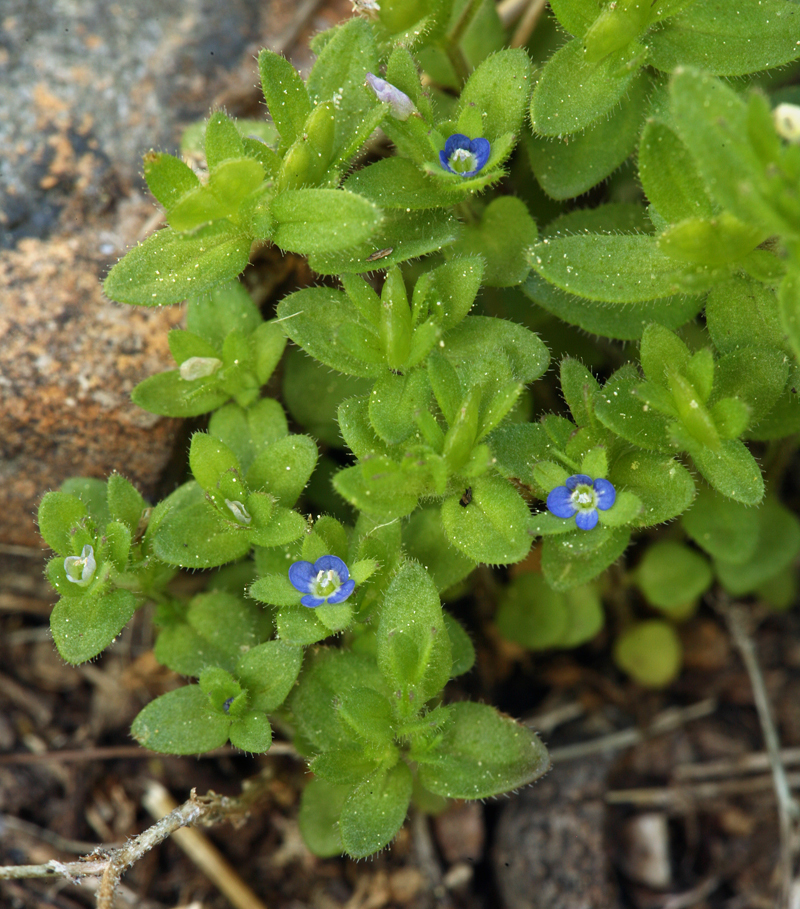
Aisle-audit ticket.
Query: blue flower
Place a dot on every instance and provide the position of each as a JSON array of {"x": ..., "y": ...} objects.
[
  {"x": 464, "y": 156},
  {"x": 326, "y": 581},
  {"x": 580, "y": 498},
  {"x": 80, "y": 568}
]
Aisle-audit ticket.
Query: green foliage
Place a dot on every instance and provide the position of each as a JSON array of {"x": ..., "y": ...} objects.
[{"x": 422, "y": 357}]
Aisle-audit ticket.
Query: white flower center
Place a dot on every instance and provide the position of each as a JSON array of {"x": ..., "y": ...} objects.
[
  {"x": 326, "y": 583},
  {"x": 239, "y": 512},
  {"x": 462, "y": 161},
  {"x": 584, "y": 498}
]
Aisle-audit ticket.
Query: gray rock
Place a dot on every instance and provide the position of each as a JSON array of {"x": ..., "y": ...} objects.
[{"x": 550, "y": 849}]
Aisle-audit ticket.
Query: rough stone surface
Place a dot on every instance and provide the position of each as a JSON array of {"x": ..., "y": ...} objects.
[
  {"x": 550, "y": 850},
  {"x": 87, "y": 86}
]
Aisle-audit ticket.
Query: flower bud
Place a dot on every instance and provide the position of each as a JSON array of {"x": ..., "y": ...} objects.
[
  {"x": 401, "y": 106},
  {"x": 787, "y": 121},
  {"x": 199, "y": 368}
]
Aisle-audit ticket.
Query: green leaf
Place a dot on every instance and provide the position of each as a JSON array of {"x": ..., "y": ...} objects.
[
  {"x": 424, "y": 540},
  {"x": 727, "y": 530},
  {"x": 575, "y": 15},
  {"x": 573, "y": 93},
  {"x": 168, "y": 178},
  {"x": 754, "y": 378},
  {"x": 742, "y": 312},
  {"x": 712, "y": 120},
  {"x": 181, "y": 722},
  {"x": 731, "y": 470},
  {"x": 398, "y": 183},
  {"x": 778, "y": 545},
  {"x": 728, "y": 38},
  {"x": 577, "y": 558},
  {"x": 312, "y": 394},
  {"x": 169, "y": 395},
  {"x": 663, "y": 485},
  {"x": 407, "y": 235},
  {"x": 357, "y": 430},
  {"x": 413, "y": 646},
  {"x": 285, "y": 94},
  {"x": 275, "y": 589},
  {"x": 319, "y": 221},
  {"x": 251, "y": 732},
  {"x": 169, "y": 267},
  {"x": 720, "y": 240},
  {"x": 375, "y": 811},
  {"x": 494, "y": 99},
  {"x": 466, "y": 348},
  {"x": 568, "y": 168},
  {"x": 368, "y": 714},
  {"x": 669, "y": 175},
  {"x": 284, "y": 467},
  {"x": 616, "y": 269},
  {"x": 789, "y": 308},
  {"x": 481, "y": 754},
  {"x": 394, "y": 402},
  {"x": 215, "y": 468},
  {"x": 534, "y": 615},
  {"x": 125, "y": 502},
  {"x": 502, "y": 236},
  {"x": 671, "y": 575},
  {"x": 338, "y": 75},
  {"x": 447, "y": 292},
  {"x": 321, "y": 805},
  {"x": 193, "y": 534},
  {"x": 269, "y": 672},
  {"x": 212, "y": 632},
  {"x": 301, "y": 626},
  {"x": 84, "y": 626},
  {"x": 650, "y": 652},
  {"x": 330, "y": 674},
  {"x": 326, "y": 325},
  {"x": 93, "y": 493},
  {"x": 625, "y": 323},
  {"x": 461, "y": 647},
  {"x": 247, "y": 431},
  {"x": 59, "y": 512},
  {"x": 224, "y": 309},
  {"x": 493, "y": 527},
  {"x": 662, "y": 353},
  {"x": 620, "y": 408},
  {"x": 223, "y": 141}
]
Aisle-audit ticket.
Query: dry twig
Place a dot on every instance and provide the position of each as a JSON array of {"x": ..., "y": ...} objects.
[{"x": 737, "y": 618}]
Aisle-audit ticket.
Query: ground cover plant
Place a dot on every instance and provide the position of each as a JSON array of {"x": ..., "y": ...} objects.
[{"x": 557, "y": 322}]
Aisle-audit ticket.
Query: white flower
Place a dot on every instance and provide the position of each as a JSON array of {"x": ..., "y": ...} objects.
[{"x": 80, "y": 568}]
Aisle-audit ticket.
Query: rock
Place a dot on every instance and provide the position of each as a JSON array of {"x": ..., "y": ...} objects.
[
  {"x": 88, "y": 88},
  {"x": 549, "y": 849}
]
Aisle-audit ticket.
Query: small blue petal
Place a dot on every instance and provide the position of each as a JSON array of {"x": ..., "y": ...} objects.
[
  {"x": 481, "y": 149},
  {"x": 456, "y": 141},
  {"x": 332, "y": 563},
  {"x": 559, "y": 502},
  {"x": 587, "y": 520},
  {"x": 577, "y": 478},
  {"x": 301, "y": 575},
  {"x": 311, "y": 601},
  {"x": 444, "y": 162},
  {"x": 343, "y": 592},
  {"x": 606, "y": 494}
]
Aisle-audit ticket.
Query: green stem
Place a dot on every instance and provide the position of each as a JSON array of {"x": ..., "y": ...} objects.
[{"x": 452, "y": 41}]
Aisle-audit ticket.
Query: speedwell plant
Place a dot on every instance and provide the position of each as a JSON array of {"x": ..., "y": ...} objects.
[{"x": 469, "y": 209}]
